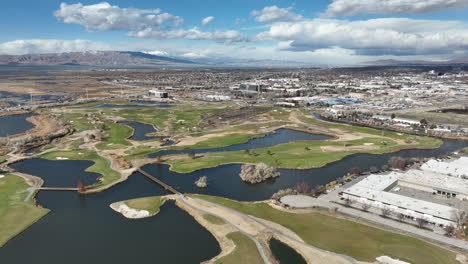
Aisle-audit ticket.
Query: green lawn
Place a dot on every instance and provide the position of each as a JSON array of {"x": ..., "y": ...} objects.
[
  {"x": 150, "y": 204},
  {"x": 245, "y": 251},
  {"x": 213, "y": 219},
  {"x": 359, "y": 241},
  {"x": 15, "y": 214},
  {"x": 101, "y": 165},
  {"x": 294, "y": 155},
  {"x": 116, "y": 137}
]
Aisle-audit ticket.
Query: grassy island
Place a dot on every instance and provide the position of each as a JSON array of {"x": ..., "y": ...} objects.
[{"x": 16, "y": 214}]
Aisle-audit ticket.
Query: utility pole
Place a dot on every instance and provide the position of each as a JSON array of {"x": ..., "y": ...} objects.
[{"x": 87, "y": 95}]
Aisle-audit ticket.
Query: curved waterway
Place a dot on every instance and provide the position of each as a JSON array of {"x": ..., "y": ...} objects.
[
  {"x": 225, "y": 181},
  {"x": 82, "y": 228},
  {"x": 280, "y": 137},
  {"x": 140, "y": 130},
  {"x": 67, "y": 174},
  {"x": 284, "y": 254},
  {"x": 14, "y": 124}
]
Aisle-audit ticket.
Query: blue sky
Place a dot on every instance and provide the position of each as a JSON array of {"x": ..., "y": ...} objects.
[{"x": 315, "y": 31}]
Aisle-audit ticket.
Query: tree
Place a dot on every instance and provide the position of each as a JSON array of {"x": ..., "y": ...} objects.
[
  {"x": 449, "y": 230},
  {"x": 401, "y": 217},
  {"x": 397, "y": 162},
  {"x": 421, "y": 222},
  {"x": 460, "y": 216},
  {"x": 356, "y": 171},
  {"x": 386, "y": 212},
  {"x": 270, "y": 153},
  {"x": 393, "y": 116},
  {"x": 365, "y": 207},
  {"x": 303, "y": 187},
  {"x": 349, "y": 202},
  {"x": 192, "y": 155}
]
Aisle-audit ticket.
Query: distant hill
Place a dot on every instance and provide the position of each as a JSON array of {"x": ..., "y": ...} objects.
[
  {"x": 458, "y": 61},
  {"x": 93, "y": 58}
]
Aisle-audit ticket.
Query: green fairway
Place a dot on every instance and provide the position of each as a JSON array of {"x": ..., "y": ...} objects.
[
  {"x": 116, "y": 138},
  {"x": 245, "y": 251},
  {"x": 294, "y": 155},
  {"x": 16, "y": 214},
  {"x": 359, "y": 241},
  {"x": 213, "y": 219},
  {"x": 150, "y": 204},
  {"x": 101, "y": 165}
]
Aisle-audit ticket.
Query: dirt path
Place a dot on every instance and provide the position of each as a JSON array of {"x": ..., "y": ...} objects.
[{"x": 256, "y": 228}]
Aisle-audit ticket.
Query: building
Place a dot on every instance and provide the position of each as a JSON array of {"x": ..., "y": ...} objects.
[
  {"x": 436, "y": 183},
  {"x": 158, "y": 94},
  {"x": 456, "y": 168},
  {"x": 218, "y": 98},
  {"x": 373, "y": 191}
]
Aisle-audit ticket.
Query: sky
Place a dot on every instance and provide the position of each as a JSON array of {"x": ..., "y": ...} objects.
[{"x": 322, "y": 32}]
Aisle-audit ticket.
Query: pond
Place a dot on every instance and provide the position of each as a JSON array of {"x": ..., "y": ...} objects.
[
  {"x": 14, "y": 124},
  {"x": 140, "y": 130},
  {"x": 280, "y": 137},
  {"x": 284, "y": 254},
  {"x": 67, "y": 174},
  {"x": 82, "y": 228}
]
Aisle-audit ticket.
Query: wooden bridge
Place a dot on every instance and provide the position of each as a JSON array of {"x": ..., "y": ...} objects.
[
  {"x": 57, "y": 189},
  {"x": 165, "y": 186}
]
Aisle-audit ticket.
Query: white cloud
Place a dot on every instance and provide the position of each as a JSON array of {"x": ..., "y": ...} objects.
[
  {"x": 275, "y": 14},
  {"x": 28, "y": 46},
  {"x": 207, "y": 20},
  {"x": 104, "y": 16},
  {"x": 157, "y": 53},
  {"x": 356, "y": 7},
  {"x": 385, "y": 36},
  {"x": 191, "y": 34}
]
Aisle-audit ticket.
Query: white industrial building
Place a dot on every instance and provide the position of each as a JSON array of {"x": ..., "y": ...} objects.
[
  {"x": 218, "y": 98},
  {"x": 374, "y": 191},
  {"x": 157, "y": 93},
  {"x": 457, "y": 168},
  {"x": 436, "y": 183},
  {"x": 445, "y": 178}
]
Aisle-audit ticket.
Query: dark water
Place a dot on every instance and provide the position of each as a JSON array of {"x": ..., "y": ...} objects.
[
  {"x": 83, "y": 229},
  {"x": 15, "y": 99},
  {"x": 132, "y": 106},
  {"x": 280, "y": 137},
  {"x": 284, "y": 254},
  {"x": 225, "y": 181},
  {"x": 146, "y": 102},
  {"x": 140, "y": 130},
  {"x": 66, "y": 172},
  {"x": 14, "y": 124},
  {"x": 168, "y": 143}
]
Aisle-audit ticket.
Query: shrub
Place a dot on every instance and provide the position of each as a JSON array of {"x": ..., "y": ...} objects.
[
  {"x": 257, "y": 173},
  {"x": 202, "y": 182}
]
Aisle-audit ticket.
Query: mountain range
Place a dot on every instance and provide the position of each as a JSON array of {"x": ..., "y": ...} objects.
[
  {"x": 133, "y": 58},
  {"x": 463, "y": 60},
  {"x": 93, "y": 58}
]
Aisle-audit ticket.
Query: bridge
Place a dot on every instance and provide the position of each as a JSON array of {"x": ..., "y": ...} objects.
[
  {"x": 58, "y": 189},
  {"x": 165, "y": 186}
]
